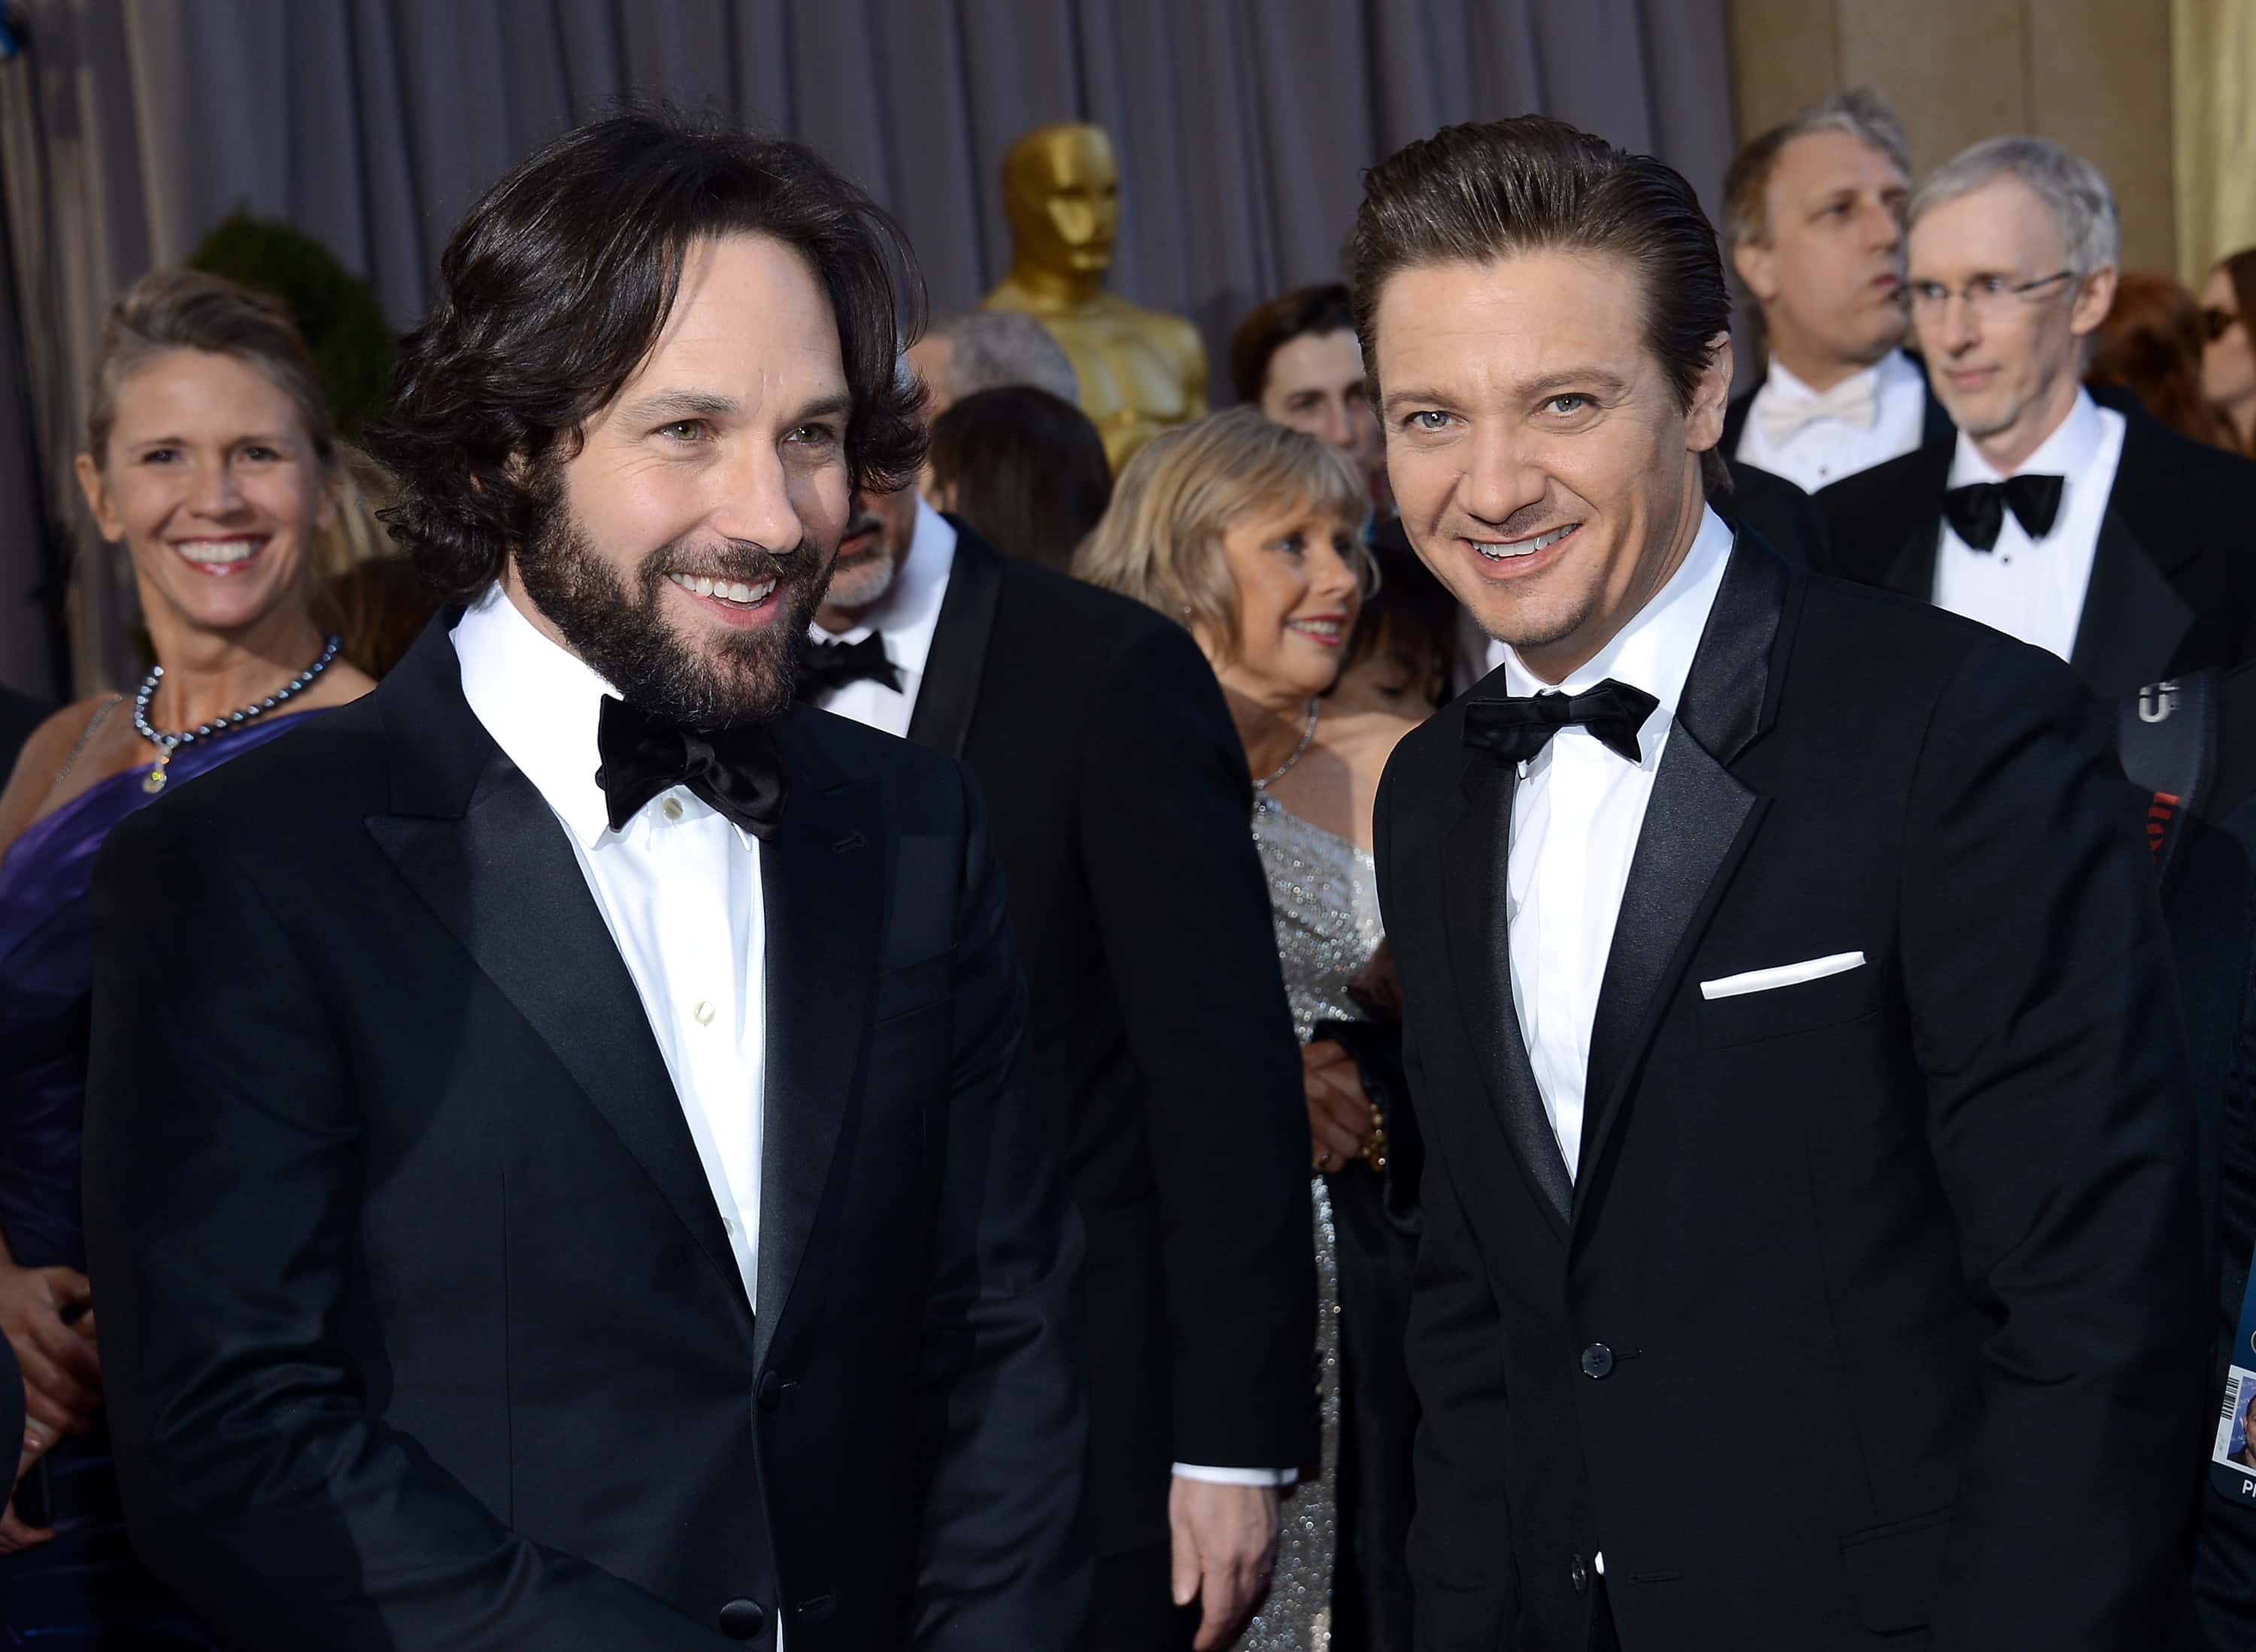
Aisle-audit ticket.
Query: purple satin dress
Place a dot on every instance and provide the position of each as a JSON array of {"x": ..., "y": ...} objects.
[{"x": 85, "y": 1590}]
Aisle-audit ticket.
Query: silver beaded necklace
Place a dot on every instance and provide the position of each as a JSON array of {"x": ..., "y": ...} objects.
[
  {"x": 166, "y": 744},
  {"x": 1307, "y": 735}
]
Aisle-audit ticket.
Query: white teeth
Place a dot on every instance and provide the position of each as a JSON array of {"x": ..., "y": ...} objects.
[
  {"x": 220, "y": 550},
  {"x": 1506, "y": 550},
  {"x": 724, "y": 590}
]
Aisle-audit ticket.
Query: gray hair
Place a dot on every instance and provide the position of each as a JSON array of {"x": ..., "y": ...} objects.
[
  {"x": 1860, "y": 111},
  {"x": 997, "y": 348},
  {"x": 2074, "y": 189}
]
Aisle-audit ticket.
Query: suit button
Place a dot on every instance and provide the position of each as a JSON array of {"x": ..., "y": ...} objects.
[
  {"x": 743, "y": 1620},
  {"x": 1580, "y": 1577},
  {"x": 771, "y": 1392},
  {"x": 1597, "y": 1361}
]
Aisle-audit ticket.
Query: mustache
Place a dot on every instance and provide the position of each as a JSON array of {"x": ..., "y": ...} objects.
[
  {"x": 862, "y": 522},
  {"x": 742, "y": 560}
]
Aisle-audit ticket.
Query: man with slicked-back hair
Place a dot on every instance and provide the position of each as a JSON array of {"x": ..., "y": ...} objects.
[{"x": 1810, "y": 1257}]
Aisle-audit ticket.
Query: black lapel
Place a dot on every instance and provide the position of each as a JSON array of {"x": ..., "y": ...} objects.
[
  {"x": 483, "y": 849},
  {"x": 950, "y": 693},
  {"x": 2134, "y": 619},
  {"x": 821, "y": 875},
  {"x": 1475, "y": 915},
  {"x": 1910, "y": 569},
  {"x": 1697, "y": 825}
]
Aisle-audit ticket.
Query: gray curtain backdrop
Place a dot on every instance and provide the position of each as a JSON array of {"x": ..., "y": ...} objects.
[{"x": 131, "y": 126}]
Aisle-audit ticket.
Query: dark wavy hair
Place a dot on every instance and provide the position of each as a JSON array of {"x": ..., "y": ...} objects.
[
  {"x": 1492, "y": 189},
  {"x": 1269, "y": 327},
  {"x": 554, "y": 290}
]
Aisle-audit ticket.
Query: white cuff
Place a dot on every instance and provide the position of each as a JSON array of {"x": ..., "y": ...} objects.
[{"x": 1236, "y": 1476}]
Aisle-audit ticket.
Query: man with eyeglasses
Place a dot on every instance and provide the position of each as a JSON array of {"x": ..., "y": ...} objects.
[{"x": 2080, "y": 525}]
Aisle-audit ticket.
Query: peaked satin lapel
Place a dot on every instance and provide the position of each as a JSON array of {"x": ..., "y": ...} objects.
[
  {"x": 950, "y": 693},
  {"x": 823, "y": 880},
  {"x": 504, "y": 879},
  {"x": 1479, "y": 931},
  {"x": 1697, "y": 825}
]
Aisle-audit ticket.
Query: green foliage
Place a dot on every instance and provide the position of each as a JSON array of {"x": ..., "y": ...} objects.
[{"x": 337, "y": 311}]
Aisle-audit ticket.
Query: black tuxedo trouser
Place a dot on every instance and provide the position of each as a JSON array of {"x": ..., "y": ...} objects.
[{"x": 1131, "y": 1607}]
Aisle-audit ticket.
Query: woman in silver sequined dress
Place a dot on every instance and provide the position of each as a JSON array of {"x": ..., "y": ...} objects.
[{"x": 1249, "y": 535}]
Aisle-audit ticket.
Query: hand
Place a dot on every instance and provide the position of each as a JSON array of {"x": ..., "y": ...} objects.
[
  {"x": 62, "y": 1373},
  {"x": 1340, "y": 1125},
  {"x": 1226, "y": 1539},
  {"x": 14, "y": 1534}
]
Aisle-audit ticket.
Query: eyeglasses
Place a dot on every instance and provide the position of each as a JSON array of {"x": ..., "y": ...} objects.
[
  {"x": 1986, "y": 295},
  {"x": 2217, "y": 323}
]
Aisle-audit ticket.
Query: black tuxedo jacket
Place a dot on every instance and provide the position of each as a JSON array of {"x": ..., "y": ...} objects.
[
  {"x": 1936, "y": 425},
  {"x": 1876, "y": 1306},
  {"x": 1122, "y": 814},
  {"x": 2173, "y": 581},
  {"x": 1779, "y": 514},
  {"x": 419, "y": 1325}
]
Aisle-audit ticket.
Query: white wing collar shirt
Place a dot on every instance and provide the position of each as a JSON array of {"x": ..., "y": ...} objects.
[
  {"x": 679, "y": 888},
  {"x": 905, "y": 616},
  {"x": 2034, "y": 588},
  {"x": 1812, "y": 438},
  {"x": 1576, "y": 815}
]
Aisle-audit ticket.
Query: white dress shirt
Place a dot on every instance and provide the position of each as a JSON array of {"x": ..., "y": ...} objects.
[
  {"x": 907, "y": 615},
  {"x": 1576, "y": 815},
  {"x": 2033, "y": 589},
  {"x": 1827, "y": 449},
  {"x": 679, "y": 888}
]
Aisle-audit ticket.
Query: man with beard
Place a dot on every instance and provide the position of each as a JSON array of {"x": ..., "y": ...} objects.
[
  {"x": 564, "y": 1161},
  {"x": 1159, "y": 1027}
]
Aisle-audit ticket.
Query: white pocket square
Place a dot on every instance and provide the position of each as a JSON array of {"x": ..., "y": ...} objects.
[{"x": 1783, "y": 975}]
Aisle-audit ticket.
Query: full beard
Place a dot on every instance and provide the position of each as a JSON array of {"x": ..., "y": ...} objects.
[{"x": 621, "y": 631}]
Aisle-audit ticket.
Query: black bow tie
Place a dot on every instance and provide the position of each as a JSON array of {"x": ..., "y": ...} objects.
[
  {"x": 1977, "y": 511},
  {"x": 740, "y": 771},
  {"x": 1516, "y": 727},
  {"x": 825, "y": 666}
]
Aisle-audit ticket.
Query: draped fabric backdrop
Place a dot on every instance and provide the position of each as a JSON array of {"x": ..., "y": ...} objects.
[{"x": 1242, "y": 126}]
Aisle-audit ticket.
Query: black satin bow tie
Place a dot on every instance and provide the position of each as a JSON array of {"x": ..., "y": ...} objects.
[
  {"x": 1977, "y": 511},
  {"x": 1516, "y": 727},
  {"x": 825, "y": 666},
  {"x": 740, "y": 772}
]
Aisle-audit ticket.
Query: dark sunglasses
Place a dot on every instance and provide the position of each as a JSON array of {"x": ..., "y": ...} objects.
[{"x": 2217, "y": 323}]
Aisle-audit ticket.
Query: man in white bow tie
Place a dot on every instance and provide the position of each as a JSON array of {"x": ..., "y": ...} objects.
[{"x": 1813, "y": 221}]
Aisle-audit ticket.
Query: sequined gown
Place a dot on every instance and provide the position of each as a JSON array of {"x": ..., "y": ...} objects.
[{"x": 1323, "y": 893}]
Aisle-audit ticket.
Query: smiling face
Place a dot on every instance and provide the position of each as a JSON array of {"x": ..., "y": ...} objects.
[
  {"x": 1829, "y": 270},
  {"x": 1296, "y": 570},
  {"x": 213, "y": 486},
  {"x": 2007, "y": 367},
  {"x": 1316, "y": 383},
  {"x": 1544, "y": 469},
  {"x": 687, "y": 543}
]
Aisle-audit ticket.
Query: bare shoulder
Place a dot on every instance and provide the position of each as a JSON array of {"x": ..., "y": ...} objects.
[
  {"x": 32, "y": 786},
  {"x": 342, "y": 684}
]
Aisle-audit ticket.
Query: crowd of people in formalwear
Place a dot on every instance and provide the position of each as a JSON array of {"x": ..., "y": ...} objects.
[{"x": 1494, "y": 999}]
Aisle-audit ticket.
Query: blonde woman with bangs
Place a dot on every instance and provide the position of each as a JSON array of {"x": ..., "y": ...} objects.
[{"x": 1250, "y": 535}]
